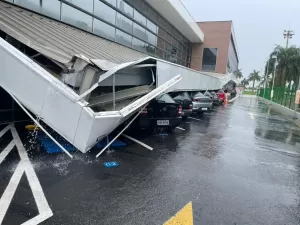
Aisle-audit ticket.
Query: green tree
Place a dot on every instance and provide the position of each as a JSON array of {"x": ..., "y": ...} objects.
[
  {"x": 288, "y": 64},
  {"x": 238, "y": 73},
  {"x": 244, "y": 82},
  {"x": 254, "y": 76}
]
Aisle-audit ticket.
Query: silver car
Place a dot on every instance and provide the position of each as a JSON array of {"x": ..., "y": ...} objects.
[{"x": 201, "y": 103}]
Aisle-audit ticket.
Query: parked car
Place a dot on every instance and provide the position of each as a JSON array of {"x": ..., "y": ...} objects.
[
  {"x": 201, "y": 103},
  {"x": 221, "y": 95},
  {"x": 162, "y": 111},
  {"x": 185, "y": 101},
  {"x": 216, "y": 100}
]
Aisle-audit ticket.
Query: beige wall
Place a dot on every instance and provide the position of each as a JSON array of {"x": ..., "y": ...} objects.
[{"x": 216, "y": 35}]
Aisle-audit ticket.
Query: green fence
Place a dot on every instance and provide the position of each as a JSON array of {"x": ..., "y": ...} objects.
[{"x": 283, "y": 95}]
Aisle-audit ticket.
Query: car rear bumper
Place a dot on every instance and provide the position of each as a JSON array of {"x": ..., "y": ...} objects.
[
  {"x": 187, "y": 112},
  {"x": 217, "y": 102},
  {"x": 148, "y": 123}
]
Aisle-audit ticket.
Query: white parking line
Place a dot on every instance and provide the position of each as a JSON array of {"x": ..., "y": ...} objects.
[
  {"x": 180, "y": 128},
  {"x": 24, "y": 166},
  {"x": 194, "y": 118},
  {"x": 137, "y": 141}
]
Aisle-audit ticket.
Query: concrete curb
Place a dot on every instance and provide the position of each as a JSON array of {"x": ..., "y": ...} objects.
[
  {"x": 232, "y": 100},
  {"x": 283, "y": 110}
]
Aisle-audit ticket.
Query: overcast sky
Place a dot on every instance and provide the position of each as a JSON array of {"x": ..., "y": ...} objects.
[{"x": 258, "y": 25}]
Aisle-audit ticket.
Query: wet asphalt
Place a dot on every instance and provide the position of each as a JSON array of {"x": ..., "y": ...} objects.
[{"x": 239, "y": 164}]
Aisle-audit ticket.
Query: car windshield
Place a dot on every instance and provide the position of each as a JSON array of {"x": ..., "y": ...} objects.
[
  {"x": 182, "y": 96},
  {"x": 207, "y": 94},
  {"x": 164, "y": 98},
  {"x": 199, "y": 95}
]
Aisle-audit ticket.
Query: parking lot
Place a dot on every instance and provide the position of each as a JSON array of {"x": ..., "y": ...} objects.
[{"x": 238, "y": 164}]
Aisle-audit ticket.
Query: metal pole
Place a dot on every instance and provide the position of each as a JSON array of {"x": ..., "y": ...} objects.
[
  {"x": 272, "y": 90},
  {"x": 120, "y": 132},
  {"x": 114, "y": 91}
]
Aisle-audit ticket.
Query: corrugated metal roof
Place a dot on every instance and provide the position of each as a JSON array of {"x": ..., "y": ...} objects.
[{"x": 60, "y": 41}]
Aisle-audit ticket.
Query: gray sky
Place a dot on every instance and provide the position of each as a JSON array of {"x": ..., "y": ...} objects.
[{"x": 258, "y": 25}]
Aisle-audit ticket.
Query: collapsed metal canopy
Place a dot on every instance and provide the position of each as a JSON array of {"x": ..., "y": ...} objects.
[{"x": 60, "y": 41}]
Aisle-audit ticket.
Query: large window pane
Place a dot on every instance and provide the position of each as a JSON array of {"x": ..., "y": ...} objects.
[
  {"x": 104, "y": 30},
  {"x": 83, "y": 4},
  {"x": 161, "y": 33},
  {"x": 161, "y": 21},
  {"x": 150, "y": 50},
  {"x": 151, "y": 38},
  {"x": 138, "y": 45},
  {"x": 123, "y": 38},
  {"x": 112, "y": 2},
  {"x": 152, "y": 14},
  {"x": 124, "y": 23},
  {"x": 48, "y": 7},
  {"x": 75, "y": 17},
  {"x": 209, "y": 59},
  {"x": 105, "y": 12},
  {"x": 160, "y": 53},
  {"x": 160, "y": 43},
  {"x": 151, "y": 26},
  {"x": 169, "y": 38},
  {"x": 140, "y": 18},
  {"x": 124, "y": 7},
  {"x": 139, "y": 32}
]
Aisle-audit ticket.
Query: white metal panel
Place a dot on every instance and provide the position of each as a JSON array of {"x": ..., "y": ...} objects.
[{"x": 191, "y": 79}]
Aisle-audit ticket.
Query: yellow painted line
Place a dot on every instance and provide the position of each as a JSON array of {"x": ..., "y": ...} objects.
[{"x": 183, "y": 217}]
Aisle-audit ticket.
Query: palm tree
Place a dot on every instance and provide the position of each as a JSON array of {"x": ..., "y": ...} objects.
[
  {"x": 288, "y": 64},
  {"x": 238, "y": 73},
  {"x": 244, "y": 82},
  {"x": 254, "y": 76}
]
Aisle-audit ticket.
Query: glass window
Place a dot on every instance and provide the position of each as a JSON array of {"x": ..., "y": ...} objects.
[
  {"x": 184, "y": 56},
  {"x": 151, "y": 26},
  {"x": 161, "y": 32},
  {"x": 150, "y": 49},
  {"x": 125, "y": 8},
  {"x": 124, "y": 23},
  {"x": 175, "y": 42},
  {"x": 140, "y": 18},
  {"x": 140, "y": 5},
  {"x": 180, "y": 47},
  {"x": 169, "y": 28},
  {"x": 138, "y": 45},
  {"x": 83, "y": 4},
  {"x": 123, "y": 38},
  {"x": 104, "y": 30},
  {"x": 152, "y": 14},
  {"x": 112, "y": 2},
  {"x": 169, "y": 38},
  {"x": 151, "y": 38},
  {"x": 139, "y": 31},
  {"x": 47, "y": 7},
  {"x": 209, "y": 59},
  {"x": 76, "y": 18},
  {"x": 161, "y": 21},
  {"x": 105, "y": 12},
  {"x": 160, "y": 43},
  {"x": 160, "y": 53}
]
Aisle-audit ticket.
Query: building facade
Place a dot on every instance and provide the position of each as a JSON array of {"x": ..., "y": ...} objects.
[
  {"x": 218, "y": 53},
  {"x": 132, "y": 23}
]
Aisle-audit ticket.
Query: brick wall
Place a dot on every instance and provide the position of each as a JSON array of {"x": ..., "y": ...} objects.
[{"x": 216, "y": 35}]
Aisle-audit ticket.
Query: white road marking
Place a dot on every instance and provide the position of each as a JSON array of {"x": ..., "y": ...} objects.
[
  {"x": 194, "y": 118},
  {"x": 137, "y": 141},
  {"x": 180, "y": 128},
  {"x": 24, "y": 166},
  {"x": 251, "y": 116},
  {"x": 7, "y": 150},
  {"x": 2, "y": 132}
]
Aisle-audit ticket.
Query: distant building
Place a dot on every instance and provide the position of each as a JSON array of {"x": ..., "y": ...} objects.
[{"x": 218, "y": 53}]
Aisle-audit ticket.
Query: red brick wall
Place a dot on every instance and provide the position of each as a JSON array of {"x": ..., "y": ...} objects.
[{"x": 216, "y": 35}]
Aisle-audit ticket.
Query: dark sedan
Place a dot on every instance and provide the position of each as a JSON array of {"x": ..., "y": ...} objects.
[{"x": 185, "y": 101}]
